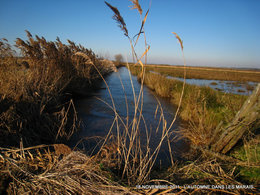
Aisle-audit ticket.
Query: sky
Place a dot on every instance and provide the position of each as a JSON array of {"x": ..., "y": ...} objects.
[{"x": 222, "y": 33}]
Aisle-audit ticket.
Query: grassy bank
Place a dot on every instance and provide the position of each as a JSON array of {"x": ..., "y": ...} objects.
[{"x": 203, "y": 110}]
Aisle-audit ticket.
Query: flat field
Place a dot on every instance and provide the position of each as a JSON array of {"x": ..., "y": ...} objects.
[{"x": 210, "y": 73}]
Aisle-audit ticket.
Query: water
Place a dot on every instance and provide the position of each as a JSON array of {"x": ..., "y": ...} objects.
[
  {"x": 97, "y": 117},
  {"x": 235, "y": 87}
]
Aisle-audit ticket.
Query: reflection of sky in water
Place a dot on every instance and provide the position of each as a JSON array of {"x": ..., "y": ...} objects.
[
  {"x": 235, "y": 87},
  {"x": 97, "y": 117}
]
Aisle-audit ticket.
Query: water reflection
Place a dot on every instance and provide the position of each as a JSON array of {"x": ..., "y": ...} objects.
[
  {"x": 235, "y": 87},
  {"x": 97, "y": 117}
]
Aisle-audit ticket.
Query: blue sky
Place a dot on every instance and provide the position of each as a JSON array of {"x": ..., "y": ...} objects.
[{"x": 215, "y": 32}]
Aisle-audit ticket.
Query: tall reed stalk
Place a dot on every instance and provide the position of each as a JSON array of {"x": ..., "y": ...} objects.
[{"x": 136, "y": 160}]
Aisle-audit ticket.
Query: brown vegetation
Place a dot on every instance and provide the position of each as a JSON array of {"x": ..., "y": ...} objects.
[
  {"x": 53, "y": 169},
  {"x": 36, "y": 107},
  {"x": 35, "y": 103}
]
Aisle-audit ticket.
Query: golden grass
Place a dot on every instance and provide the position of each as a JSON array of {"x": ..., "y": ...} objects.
[
  {"x": 137, "y": 6},
  {"x": 35, "y": 101},
  {"x": 54, "y": 169}
]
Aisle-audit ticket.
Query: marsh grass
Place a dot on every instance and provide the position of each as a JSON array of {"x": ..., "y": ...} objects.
[
  {"x": 36, "y": 107},
  {"x": 249, "y": 153},
  {"x": 35, "y": 100}
]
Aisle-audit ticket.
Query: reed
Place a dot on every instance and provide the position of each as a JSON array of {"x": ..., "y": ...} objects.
[
  {"x": 34, "y": 92},
  {"x": 136, "y": 159},
  {"x": 36, "y": 107},
  {"x": 135, "y": 156}
]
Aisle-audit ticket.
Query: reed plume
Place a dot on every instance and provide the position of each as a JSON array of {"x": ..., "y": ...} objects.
[
  {"x": 119, "y": 19},
  {"x": 179, "y": 39},
  {"x": 137, "y": 6}
]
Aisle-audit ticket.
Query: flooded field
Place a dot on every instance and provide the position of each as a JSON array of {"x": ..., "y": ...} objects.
[{"x": 235, "y": 87}]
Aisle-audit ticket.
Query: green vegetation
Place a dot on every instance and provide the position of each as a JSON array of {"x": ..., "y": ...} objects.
[{"x": 249, "y": 153}]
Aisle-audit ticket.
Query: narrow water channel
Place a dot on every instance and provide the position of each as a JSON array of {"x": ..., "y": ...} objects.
[{"x": 97, "y": 117}]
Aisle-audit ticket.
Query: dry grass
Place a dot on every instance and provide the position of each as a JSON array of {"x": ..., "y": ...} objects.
[
  {"x": 54, "y": 169},
  {"x": 35, "y": 109},
  {"x": 35, "y": 100},
  {"x": 209, "y": 173},
  {"x": 119, "y": 19}
]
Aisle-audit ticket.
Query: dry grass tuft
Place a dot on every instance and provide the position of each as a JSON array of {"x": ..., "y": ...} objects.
[
  {"x": 209, "y": 172},
  {"x": 41, "y": 170}
]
